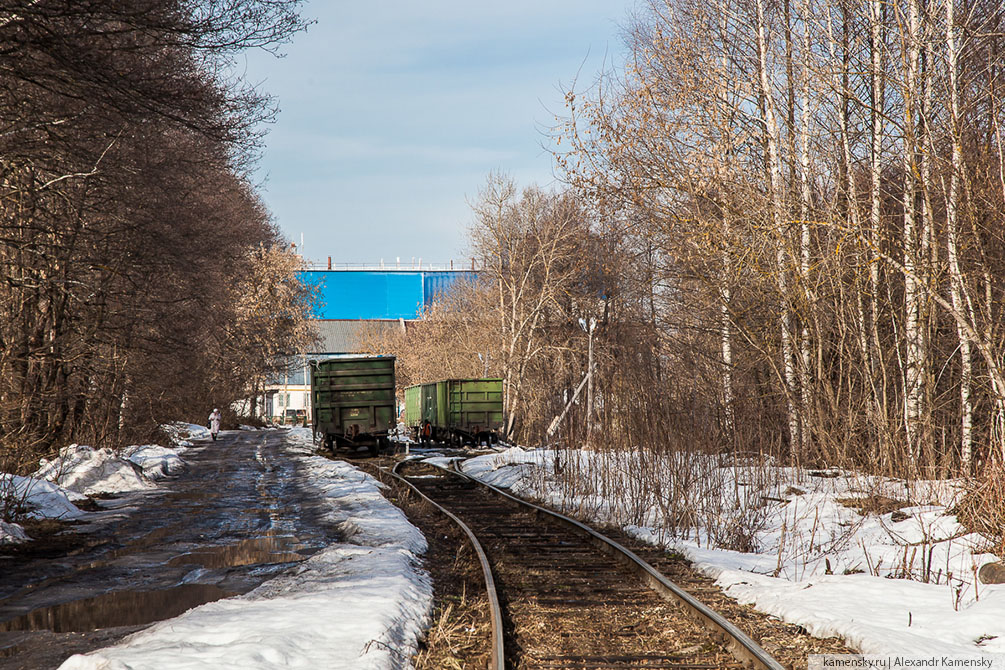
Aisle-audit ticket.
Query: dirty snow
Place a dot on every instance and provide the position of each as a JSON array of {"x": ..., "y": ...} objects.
[
  {"x": 38, "y": 498},
  {"x": 80, "y": 471},
  {"x": 12, "y": 533},
  {"x": 818, "y": 562},
  {"x": 360, "y": 604},
  {"x": 182, "y": 433},
  {"x": 156, "y": 462},
  {"x": 85, "y": 471}
]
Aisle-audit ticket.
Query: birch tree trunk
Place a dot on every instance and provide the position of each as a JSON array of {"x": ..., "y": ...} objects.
[
  {"x": 804, "y": 238},
  {"x": 777, "y": 194},
  {"x": 725, "y": 292},
  {"x": 877, "y": 18},
  {"x": 913, "y": 345},
  {"x": 952, "y": 241},
  {"x": 928, "y": 261}
]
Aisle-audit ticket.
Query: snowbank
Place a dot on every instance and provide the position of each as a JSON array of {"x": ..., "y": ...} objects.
[
  {"x": 181, "y": 433},
  {"x": 39, "y": 499},
  {"x": 12, "y": 533},
  {"x": 820, "y": 562},
  {"x": 85, "y": 471},
  {"x": 155, "y": 461},
  {"x": 80, "y": 471},
  {"x": 359, "y": 604},
  {"x": 876, "y": 615}
]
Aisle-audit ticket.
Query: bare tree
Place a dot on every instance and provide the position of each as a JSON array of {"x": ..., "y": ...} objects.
[
  {"x": 732, "y": 142},
  {"x": 125, "y": 214},
  {"x": 529, "y": 248}
]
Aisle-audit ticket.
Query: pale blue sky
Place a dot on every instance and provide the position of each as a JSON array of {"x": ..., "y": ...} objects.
[{"x": 392, "y": 114}]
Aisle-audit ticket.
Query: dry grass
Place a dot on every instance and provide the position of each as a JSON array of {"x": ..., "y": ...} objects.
[
  {"x": 457, "y": 637},
  {"x": 873, "y": 504},
  {"x": 983, "y": 507}
]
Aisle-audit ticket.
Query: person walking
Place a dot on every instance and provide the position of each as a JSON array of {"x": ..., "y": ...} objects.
[{"x": 214, "y": 422}]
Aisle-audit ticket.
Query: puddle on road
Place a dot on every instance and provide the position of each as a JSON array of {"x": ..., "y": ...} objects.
[
  {"x": 269, "y": 549},
  {"x": 118, "y": 608}
]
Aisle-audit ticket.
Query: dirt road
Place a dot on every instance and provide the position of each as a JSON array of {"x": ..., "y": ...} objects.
[{"x": 236, "y": 517}]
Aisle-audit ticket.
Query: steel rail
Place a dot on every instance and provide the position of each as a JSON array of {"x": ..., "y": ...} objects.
[
  {"x": 739, "y": 644},
  {"x": 498, "y": 656}
]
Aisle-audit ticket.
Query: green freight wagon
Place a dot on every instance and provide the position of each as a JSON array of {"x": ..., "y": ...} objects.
[
  {"x": 458, "y": 410},
  {"x": 353, "y": 402}
]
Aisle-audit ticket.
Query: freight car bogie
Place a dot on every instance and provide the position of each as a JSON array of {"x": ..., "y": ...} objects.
[
  {"x": 354, "y": 443},
  {"x": 456, "y": 438},
  {"x": 475, "y": 438}
]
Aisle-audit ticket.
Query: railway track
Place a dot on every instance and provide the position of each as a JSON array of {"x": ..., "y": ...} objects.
[{"x": 566, "y": 597}]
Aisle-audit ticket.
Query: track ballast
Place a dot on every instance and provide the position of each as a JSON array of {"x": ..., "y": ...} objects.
[{"x": 565, "y": 603}]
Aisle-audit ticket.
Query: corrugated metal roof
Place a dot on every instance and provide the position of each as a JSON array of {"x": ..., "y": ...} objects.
[{"x": 347, "y": 336}]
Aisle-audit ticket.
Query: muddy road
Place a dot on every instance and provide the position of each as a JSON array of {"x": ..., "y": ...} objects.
[{"x": 237, "y": 516}]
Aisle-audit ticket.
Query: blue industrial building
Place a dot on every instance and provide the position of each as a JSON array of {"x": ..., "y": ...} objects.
[
  {"x": 354, "y": 304},
  {"x": 379, "y": 294}
]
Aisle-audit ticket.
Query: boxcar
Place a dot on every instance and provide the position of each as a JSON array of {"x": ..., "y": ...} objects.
[
  {"x": 353, "y": 402},
  {"x": 458, "y": 410}
]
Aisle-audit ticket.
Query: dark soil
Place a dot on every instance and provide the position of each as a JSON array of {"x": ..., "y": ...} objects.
[
  {"x": 50, "y": 538},
  {"x": 874, "y": 504}
]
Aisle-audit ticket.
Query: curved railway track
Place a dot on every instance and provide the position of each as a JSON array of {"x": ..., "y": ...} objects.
[{"x": 563, "y": 596}]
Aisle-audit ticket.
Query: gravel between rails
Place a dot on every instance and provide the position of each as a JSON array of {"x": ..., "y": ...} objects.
[{"x": 566, "y": 605}]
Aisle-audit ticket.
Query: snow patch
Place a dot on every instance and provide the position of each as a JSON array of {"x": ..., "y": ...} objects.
[
  {"x": 78, "y": 472},
  {"x": 182, "y": 434},
  {"x": 155, "y": 461},
  {"x": 85, "y": 471}
]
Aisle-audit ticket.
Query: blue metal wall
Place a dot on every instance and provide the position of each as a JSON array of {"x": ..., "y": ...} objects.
[
  {"x": 372, "y": 294},
  {"x": 438, "y": 282}
]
